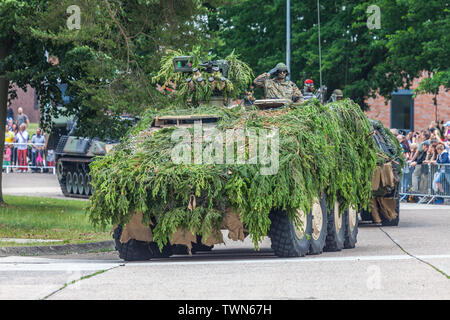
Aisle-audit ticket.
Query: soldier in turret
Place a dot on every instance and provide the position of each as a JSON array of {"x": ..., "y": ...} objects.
[
  {"x": 336, "y": 95},
  {"x": 276, "y": 86},
  {"x": 308, "y": 89}
]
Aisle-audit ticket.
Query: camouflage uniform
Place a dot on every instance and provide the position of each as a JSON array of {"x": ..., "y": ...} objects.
[{"x": 278, "y": 88}]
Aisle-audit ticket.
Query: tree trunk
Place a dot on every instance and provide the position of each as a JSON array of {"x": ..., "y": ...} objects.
[{"x": 4, "y": 85}]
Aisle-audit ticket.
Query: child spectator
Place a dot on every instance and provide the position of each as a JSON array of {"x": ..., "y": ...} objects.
[
  {"x": 9, "y": 140},
  {"x": 7, "y": 156}
]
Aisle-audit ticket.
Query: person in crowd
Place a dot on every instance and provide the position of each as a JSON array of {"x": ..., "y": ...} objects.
[
  {"x": 9, "y": 113},
  {"x": 423, "y": 137},
  {"x": 409, "y": 137},
  {"x": 431, "y": 153},
  {"x": 22, "y": 118},
  {"x": 9, "y": 140},
  {"x": 447, "y": 142},
  {"x": 446, "y": 129},
  {"x": 401, "y": 140},
  {"x": 37, "y": 150},
  {"x": 22, "y": 138},
  {"x": 412, "y": 150},
  {"x": 9, "y": 137},
  {"x": 6, "y": 157},
  {"x": 443, "y": 171},
  {"x": 10, "y": 123},
  {"x": 434, "y": 128},
  {"x": 394, "y": 132},
  {"x": 15, "y": 130},
  {"x": 420, "y": 169}
]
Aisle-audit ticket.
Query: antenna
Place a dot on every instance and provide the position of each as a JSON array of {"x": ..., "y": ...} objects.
[
  {"x": 320, "y": 50},
  {"x": 288, "y": 35}
]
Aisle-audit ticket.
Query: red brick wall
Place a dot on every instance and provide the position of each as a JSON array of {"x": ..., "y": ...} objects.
[
  {"x": 26, "y": 100},
  {"x": 424, "y": 110}
]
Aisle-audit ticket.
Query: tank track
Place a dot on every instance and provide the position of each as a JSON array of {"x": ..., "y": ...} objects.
[{"x": 74, "y": 179}]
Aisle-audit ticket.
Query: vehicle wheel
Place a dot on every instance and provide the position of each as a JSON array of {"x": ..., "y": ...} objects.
[
  {"x": 135, "y": 250},
  {"x": 350, "y": 219},
  {"x": 90, "y": 190},
  {"x": 69, "y": 182},
  {"x": 366, "y": 215},
  {"x": 199, "y": 246},
  {"x": 81, "y": 183},
  {"x": 335, "y": 230},
  {"x": 75, "y": 183},
  {"x": 59, "y": 170},
  {"x": 116, "y": 236},
  {"x": 87, "y": 181},
  {"x": 288, "y": 240},
  {"x": 393, "y": 223},
  {"x": 319, "y": 216}
]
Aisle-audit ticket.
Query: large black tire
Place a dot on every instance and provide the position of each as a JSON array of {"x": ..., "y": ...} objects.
[
  {"x": 394, "y": 222},
  {"x": 135, "y": 250},
  {"x": 199, "y": 246},
  {"x": 286, "y": 240},
  {"x": 335, "y": 230},
  {"x": 319, "y": 222},
  {"x": 350, "y": 220},
  {"x": 366, "y": 216}
]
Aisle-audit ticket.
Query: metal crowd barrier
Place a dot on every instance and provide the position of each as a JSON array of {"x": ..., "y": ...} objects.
[
  {"x": 8, "y": 168},
  {"x": 427, "y": 182}
]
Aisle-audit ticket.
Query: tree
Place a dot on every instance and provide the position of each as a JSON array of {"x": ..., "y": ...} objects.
[
  {"x": 107, "y": 59},
  {"x": 412, "y": 37}
]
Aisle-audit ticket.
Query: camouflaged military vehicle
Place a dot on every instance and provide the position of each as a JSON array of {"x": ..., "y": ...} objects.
[
  {"x": 323, "y": 229},
  {"x": 385, "y": 204},
  {"x": 163, "y": 208}
]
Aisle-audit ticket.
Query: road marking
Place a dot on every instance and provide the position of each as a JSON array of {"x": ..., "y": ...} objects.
[
  {"x": 73, "y": 265},
  {"x": 288, "y": 260}
]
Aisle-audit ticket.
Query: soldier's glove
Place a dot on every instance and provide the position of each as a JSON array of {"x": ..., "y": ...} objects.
[{"x": 273, "y": 71}]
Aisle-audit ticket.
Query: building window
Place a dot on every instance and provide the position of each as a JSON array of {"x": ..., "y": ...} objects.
[{"x": 402, "y": 110}]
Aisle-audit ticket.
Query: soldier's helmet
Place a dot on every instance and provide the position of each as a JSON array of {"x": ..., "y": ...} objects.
[
  {"x": 282, "y": 67},
  {"x": 338, "y": 93}
]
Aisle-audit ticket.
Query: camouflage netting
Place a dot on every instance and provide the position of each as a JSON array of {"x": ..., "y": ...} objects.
[{"x": 321, "y": 149}]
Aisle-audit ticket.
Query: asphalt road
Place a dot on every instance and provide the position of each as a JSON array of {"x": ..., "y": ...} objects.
[{"x": 411, "y": 261}]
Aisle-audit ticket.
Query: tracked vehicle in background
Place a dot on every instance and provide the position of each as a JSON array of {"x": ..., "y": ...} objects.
[{"x": 73, "y": 155}]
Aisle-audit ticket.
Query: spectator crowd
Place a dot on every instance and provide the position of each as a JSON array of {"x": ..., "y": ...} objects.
[
  {"x": 426, "y": 153},
  {"x": 23, "y": 152}
]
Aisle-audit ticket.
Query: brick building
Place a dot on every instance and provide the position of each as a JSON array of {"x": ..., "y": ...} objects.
[
  {"x": 29, "y": 103},
  {"x": 404, "y": 111}
]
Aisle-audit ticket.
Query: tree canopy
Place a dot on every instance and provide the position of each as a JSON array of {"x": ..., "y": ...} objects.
[
  {"x": 412, "y": 38},
  {"x": 107, "y": 61}
]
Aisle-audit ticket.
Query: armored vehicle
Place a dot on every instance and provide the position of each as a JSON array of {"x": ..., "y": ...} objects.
[
  {"x": 325, "y": 228},
  {"x": 308, "y": 205},
  {"x": 385, "y": 203},
  {"x": 73, "y": 155}
]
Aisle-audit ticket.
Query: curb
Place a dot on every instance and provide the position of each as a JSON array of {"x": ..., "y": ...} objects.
[{"x": 56, "y": 249}]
